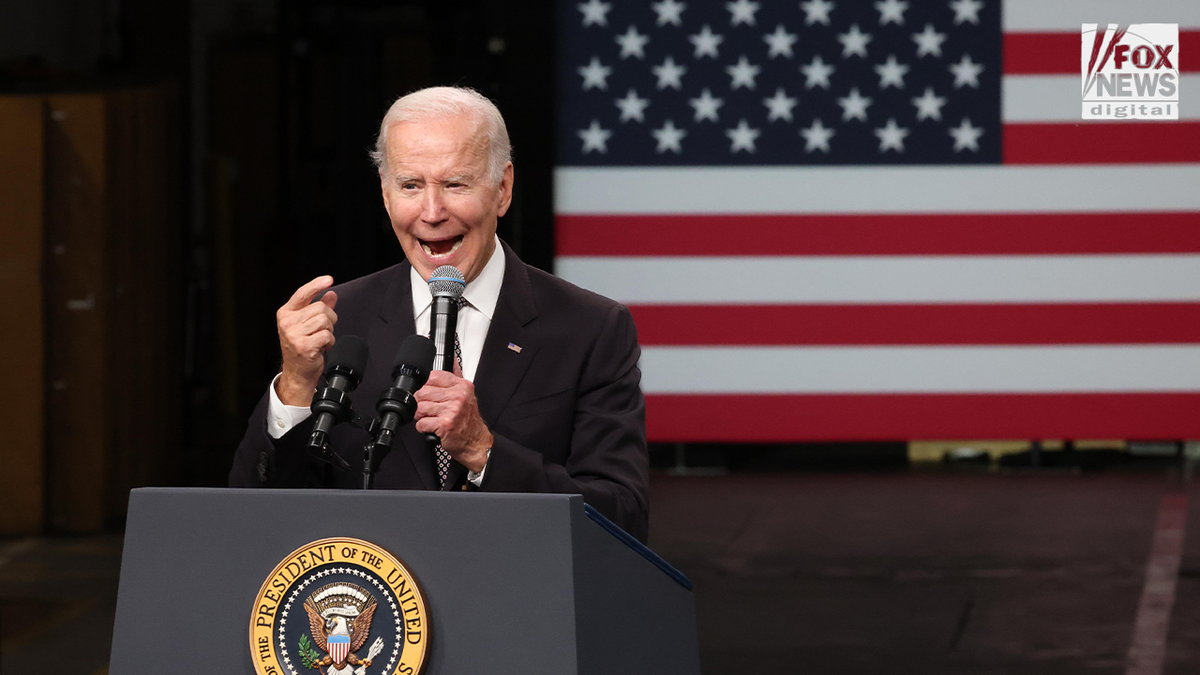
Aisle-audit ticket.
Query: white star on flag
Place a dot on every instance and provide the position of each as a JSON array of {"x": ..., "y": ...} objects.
[
  {"x": 929, "y": 42},
  {"x": 706, "y": 106},
  {"x": 669, "y": 74},
  {"x": 595, "y": 75},
  {"x": 742, "y": 137},
  {"x": 669, "y": 12},
  {"x": 816, "y": 137},
  {"x": 891, "y": 73},
  {"x": 742, "y": 74},
  {"x": 633, "y": 43},
  {"x": 780, "y": 42},
  {"x": 966, "y": 136},
  {"x": 668, "y": 138},
  {"x": 816, "y": 11},
  {"x": 706, "y": 42},
  {"x": 779, "y": 106},
  {"x": 594, "y": 138},
  {"x": 929, "y": 105},
  {"x": 816, "y": 73},
  {"x": 595, "y": 13},
  {"x": 854, "y": 106},
  {"x": 742, "y": 11},
  {"x": 891, "y": 137},
  {"x": 966, "y": 10},
  {"x": 854, "y": 42},
  {"x": 632, "y": 107},
  {"x": 638, "y": 54},
  {"x": 891, "y": 11},
  {"x": 966, "y": 72}
]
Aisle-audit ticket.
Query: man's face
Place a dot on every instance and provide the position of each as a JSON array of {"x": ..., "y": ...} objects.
[{"x": 442, "y": 203}]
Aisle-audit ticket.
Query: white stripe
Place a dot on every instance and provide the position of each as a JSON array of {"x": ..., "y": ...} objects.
[
  {"x": 1148, "y": 648},
  {"x": 887, "y": 279},
  {"x": 930, "y": 369},
  {"x": 918, "y": 189},
  {"x": 1069, "y": 15},
  {"x": 1057, "y": 98}
]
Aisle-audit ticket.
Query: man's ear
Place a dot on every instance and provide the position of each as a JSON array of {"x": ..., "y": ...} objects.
[{"x": 506, "y": 189}]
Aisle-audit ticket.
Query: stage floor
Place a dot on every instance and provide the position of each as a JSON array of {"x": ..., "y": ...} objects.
[
  {"x": 931, "y": 573},
  {"x": 926, "y": 573}
]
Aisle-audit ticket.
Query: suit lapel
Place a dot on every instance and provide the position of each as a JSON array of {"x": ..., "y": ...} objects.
[
  {"x": 501, "y": 368},
  {"x": 397, "y": 315}
]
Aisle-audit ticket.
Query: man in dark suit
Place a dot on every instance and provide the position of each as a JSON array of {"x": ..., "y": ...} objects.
[{"x": 546, "y": 396}]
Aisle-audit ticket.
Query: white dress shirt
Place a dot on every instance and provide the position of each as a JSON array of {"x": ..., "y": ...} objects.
[{"x": 474, "y": 319}]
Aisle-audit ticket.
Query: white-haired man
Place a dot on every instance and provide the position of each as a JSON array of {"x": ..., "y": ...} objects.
[{"x": 548, "y": 398}]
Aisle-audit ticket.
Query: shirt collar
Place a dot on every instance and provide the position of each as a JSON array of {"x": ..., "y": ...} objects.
[{"x": 482, "y": 293}]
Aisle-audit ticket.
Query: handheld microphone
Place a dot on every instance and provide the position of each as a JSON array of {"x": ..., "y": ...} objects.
[
  {"x": 347, "y": 361},
  {"x": 446, "y": 285},
  {"x": 396, "y": 405}
]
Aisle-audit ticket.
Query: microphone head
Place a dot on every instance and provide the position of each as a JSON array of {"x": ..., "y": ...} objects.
[
  {"x": 347, "y": 356},
  {"x": 416, "y": 353},
  {"x": 447, "y": 281}
]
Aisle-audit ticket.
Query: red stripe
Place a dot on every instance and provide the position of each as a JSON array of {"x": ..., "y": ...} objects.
[
  {"x": 1008, "y": 324},
  {"x": 782, "y": 419},
  {"x": 1058, "y": 53},
  {"x": 1102, "y": 143},
  {"x": 942, "y": 234}
]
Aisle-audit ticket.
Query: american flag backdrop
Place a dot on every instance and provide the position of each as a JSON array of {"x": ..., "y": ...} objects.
[{"x": 839, "y": 220}]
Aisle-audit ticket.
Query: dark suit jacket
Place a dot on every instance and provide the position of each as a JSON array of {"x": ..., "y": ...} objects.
[{"x": 567, "y": 411}]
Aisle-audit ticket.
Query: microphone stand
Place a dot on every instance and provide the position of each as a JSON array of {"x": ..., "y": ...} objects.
[
  {"x": 377, "y": 441},
  {"x": 368, "y": 472}
]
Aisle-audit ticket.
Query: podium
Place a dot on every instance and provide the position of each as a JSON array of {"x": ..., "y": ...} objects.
[{"x": 513, "y": 583}]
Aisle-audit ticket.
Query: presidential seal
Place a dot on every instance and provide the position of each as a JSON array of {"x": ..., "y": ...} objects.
[{"x": 340, "y": 607}]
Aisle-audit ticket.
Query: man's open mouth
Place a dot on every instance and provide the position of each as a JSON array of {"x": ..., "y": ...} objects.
[{"x": 441, "y": 247}]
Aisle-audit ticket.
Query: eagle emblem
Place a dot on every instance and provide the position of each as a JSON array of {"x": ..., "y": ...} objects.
[
  {"x": 339, "y": 615},
  {"x": 362, "y": 606}
]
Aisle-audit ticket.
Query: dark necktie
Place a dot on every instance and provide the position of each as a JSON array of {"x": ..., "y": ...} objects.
[{"x": 440, "y": 455}]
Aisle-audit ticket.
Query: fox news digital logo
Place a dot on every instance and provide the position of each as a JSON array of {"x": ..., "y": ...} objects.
[{"x": 1130, "y": 72}]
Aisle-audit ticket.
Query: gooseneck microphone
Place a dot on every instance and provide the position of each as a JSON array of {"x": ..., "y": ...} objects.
[
  {"x": 346, "y": 363},
  {"x": 446, "y": 285},
  {"x": 397, "y": 404},
  {"x": 410, "y": 370}
]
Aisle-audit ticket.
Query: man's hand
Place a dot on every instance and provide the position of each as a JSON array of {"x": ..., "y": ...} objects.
[
  {"x": 305, "y": 334},
  {"x": 446, "y": 406}
]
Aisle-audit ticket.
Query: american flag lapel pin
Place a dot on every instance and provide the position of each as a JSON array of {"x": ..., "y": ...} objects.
[{"x": 515, "y": 347}]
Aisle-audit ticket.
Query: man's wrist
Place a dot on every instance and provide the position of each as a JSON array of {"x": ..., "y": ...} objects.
[
  {"x": 476, "y": 477},
  {"x": 485, "y": 451},
  {"x": 294, "y": 393}
]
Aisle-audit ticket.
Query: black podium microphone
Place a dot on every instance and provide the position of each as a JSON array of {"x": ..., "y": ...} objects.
[
  {"x": 347, "y": 361},
  {"x": 446, "y": 285},
  {"x": 410, "y": 370}
]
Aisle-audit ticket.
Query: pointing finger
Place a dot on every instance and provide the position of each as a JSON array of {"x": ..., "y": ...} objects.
[{"x": 305, "y": 294}]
